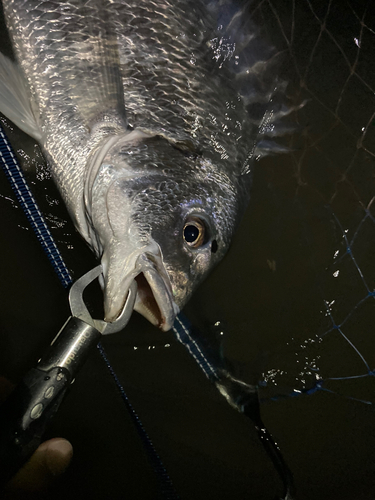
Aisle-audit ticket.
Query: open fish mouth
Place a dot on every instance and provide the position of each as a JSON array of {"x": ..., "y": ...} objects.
[
  {"x": 154, "y": 299},
  {"x": 154, "y": 296}
]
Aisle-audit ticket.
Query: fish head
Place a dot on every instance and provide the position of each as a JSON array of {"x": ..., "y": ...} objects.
[{"x": 162, "y": 217}]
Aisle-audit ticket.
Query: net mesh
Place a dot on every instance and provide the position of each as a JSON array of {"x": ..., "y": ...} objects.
[
  {"x": 328, "y": 182},
  {"x": 299, "y": 315}
]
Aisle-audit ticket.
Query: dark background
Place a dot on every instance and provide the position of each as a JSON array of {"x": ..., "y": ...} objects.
[{"x": 275, "y": 294}]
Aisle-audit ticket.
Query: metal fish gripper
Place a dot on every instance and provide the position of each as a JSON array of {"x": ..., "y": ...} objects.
[{"x": 26, "y": 413}]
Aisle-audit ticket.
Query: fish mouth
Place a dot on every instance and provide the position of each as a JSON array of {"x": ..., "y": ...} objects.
[
  {"x": 154, "y": 299},
  {"x": 154, "y": 295}
]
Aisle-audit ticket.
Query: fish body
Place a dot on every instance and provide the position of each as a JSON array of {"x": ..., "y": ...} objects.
[{"x": 145, "y": 113}]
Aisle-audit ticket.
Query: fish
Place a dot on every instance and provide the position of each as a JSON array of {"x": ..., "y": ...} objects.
[{"x": 150, "y": 114}]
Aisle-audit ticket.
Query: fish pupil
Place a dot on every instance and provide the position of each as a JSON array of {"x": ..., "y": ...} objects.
[{"x": 191, "y": 233}]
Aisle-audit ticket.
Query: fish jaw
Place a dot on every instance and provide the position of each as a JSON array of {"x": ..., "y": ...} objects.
[{"x": 154, "y": 296}]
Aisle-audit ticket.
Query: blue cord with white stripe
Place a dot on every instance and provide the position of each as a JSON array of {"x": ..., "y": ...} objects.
[
  {"x": 184, "y": 333},
  {"x": 26, "y": 200},
  {"x": 30, "y": 207}
]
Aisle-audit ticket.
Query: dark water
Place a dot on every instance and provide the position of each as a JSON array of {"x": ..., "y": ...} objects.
[{"x": 293, "y": 298}]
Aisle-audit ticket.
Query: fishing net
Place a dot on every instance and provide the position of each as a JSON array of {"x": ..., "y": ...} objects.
[
  {"x": 302, "y": 268},
  {"x": 329, "y": 183},
  {"x": 293, "y": 303}
]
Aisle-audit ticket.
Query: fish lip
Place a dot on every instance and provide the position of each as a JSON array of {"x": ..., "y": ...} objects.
[{"x": 159, "y": 284}]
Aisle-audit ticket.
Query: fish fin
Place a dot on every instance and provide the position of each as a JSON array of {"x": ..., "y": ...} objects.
[
  {"x": 244, "y": 46},
  {"x": 15, "y": 99}
]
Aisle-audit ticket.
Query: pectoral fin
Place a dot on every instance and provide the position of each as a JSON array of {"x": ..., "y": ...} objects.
[{"x": 15, "y": 99}]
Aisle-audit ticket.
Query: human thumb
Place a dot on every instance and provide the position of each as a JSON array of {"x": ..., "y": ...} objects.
[{"x": 49, "y": 460}]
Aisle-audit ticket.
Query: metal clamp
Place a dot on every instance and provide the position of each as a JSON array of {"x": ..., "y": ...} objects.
[{"x": 79, "y": 309}]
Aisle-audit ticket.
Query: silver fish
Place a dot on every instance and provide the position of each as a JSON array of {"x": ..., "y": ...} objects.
[{"x": 145, "y": 111}]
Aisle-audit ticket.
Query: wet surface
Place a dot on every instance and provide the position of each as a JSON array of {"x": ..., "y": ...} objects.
[{"x": 293, "y": 298}]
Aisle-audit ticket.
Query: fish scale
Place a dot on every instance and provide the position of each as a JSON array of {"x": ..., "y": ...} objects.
[
  {"x": 164, "y": 91},
  {"x": 55, "y": 48}
]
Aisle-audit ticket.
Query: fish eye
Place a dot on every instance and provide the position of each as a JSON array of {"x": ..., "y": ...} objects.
[{"x": 195, "y": 233}]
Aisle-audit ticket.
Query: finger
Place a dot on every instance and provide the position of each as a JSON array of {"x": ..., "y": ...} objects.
[{"x": 49, "y": 460}]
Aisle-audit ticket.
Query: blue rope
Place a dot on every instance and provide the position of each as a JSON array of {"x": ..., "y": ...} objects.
[
  {"x": 30, "y": 207},
  {"x": 185, "y": 334},
  {"x": 181, "y": 328},
  {"x": 26, "y": 200}
]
